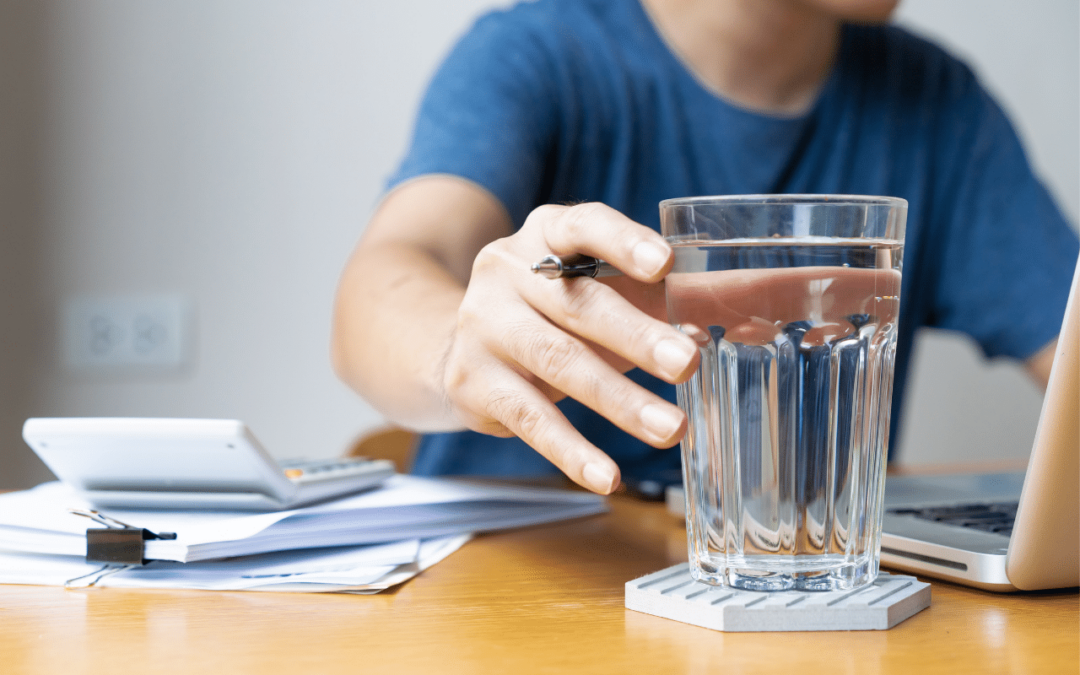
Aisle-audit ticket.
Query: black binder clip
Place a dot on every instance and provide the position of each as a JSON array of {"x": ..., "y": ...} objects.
[{"x": 117, "y": 543}]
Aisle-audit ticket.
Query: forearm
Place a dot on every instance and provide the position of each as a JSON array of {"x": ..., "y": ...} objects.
[
  {"x": 398, "y": 300},
  {"x": 394, "y": 319},
  {"x": 1039, "y": 364}
]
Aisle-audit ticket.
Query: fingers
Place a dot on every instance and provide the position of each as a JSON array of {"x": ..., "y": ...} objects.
[
  {"x": 597, "y": 312},
  {"x": 523, "y": 341},
  {"x": 543, "y": 353},
  {"x": 571, "y": 367},
  {"x": 539, "y": 423},
  {"x": 593, "y": 310},
  {"x": 603, "y": 232},
  {"x": 505, "y": 403}
]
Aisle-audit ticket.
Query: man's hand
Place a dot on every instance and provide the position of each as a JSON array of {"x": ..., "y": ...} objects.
[
  {"x": 523, "y": 341},
  {"x": 436, "y": 347},
  {"x": 1038, "y": 365}
]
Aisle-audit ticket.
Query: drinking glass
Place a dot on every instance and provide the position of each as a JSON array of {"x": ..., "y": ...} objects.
[{"x": 793, "y": 302}]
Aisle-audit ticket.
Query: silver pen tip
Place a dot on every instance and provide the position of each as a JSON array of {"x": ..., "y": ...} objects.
[{"x": 548, "y": 267}]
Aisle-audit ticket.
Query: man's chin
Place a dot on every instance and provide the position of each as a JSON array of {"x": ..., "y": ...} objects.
[{"x": 858, "y": 11}]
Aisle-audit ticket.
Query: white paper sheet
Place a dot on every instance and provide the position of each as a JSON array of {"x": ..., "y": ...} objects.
[
  {"x": 352, "y": 569},
  {"x": 406, "y": 507}
]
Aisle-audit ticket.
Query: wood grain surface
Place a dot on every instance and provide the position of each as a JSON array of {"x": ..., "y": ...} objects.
[{"x": 541, "y": 600}]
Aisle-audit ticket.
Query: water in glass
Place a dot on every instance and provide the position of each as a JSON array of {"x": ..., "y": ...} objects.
[{"x": 789, "y": 410}]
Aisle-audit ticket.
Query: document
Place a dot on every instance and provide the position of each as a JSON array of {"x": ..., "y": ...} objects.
[
  {"x": 404, "y": 508},
  {"x": 353, "y": 569}
]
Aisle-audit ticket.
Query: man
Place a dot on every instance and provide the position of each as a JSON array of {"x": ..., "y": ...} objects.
[{"x": 613, "y": 106}]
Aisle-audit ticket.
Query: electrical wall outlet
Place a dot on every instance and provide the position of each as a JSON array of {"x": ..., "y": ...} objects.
[{"x": 127, "y": 333}]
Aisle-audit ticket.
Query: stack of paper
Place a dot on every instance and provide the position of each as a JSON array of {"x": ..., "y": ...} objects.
[
  {"x": 362, "y": 543},
  {"x": 351, "y": 569}
]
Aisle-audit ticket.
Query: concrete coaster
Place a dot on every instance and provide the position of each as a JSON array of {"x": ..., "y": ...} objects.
[{"x": 673, "y": 594}]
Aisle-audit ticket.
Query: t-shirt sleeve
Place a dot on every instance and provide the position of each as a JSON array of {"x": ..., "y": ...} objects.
[
  {"x": 489, "y": 114},
  {"x": 1006, "y": 256}
]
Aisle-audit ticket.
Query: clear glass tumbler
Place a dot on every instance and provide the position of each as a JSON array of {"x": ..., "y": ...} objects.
[{"x": 793, "y": 301}]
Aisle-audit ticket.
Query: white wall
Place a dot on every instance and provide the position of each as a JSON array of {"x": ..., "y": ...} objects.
[
  {"x": 22, "y": 25},
  {"x": 231, "y": 150}
]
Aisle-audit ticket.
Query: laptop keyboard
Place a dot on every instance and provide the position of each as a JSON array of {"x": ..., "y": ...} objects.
[{"x": 994, "y": 517}]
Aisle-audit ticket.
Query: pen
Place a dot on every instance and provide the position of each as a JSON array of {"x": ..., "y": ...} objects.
[{"x": 577, "y": 265}]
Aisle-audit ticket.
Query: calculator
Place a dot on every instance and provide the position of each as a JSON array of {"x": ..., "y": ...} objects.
[{"x": 168, "y": 463}]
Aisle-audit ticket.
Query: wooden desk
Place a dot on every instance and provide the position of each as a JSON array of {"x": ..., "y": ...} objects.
[{"x": 545, "y": 599}]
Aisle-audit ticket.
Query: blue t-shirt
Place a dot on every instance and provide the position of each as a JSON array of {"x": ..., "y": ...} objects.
[{"x": 581, "y": 100}]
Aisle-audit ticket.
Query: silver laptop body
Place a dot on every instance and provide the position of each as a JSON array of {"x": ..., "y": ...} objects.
[{"x": 962, "y": 528}]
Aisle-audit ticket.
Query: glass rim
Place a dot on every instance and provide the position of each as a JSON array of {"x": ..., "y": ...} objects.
[{"x": 787, "y": 200}]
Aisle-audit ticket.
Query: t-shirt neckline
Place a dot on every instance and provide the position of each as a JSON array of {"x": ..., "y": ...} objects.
[{"x": 660, "y": 45}]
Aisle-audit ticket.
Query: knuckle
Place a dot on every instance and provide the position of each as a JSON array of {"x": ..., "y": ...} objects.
[
  {"x": 581, "y": 299},
  {"x": 542, "y": 214},
  {"x": 460, "y": 390},
  {"x": 593, "y": 391},
  {"x": 577, "y": 219},
  {"x": 490, "y": 257},
  {"x": 470, "y": 313},
  {"x": 624, "y": 401},
  {"x": 489, "y": 427},
  {"x": 640, "y": 337},
  {"x": 515, "y": 413},
  {"x": 461, "y": 374},
  {"x": 455, "y": 377},
  {"x": 555, "y": 356}
]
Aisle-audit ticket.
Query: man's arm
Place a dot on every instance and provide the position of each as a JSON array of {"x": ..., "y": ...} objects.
[
  {"x": 397, "y": 301},
  {"x": 1039, "y": 364},
  {"x": 440, "y": 324}
]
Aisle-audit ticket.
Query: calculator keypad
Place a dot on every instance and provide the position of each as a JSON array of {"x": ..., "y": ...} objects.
[{"x": 309, "y": 471}]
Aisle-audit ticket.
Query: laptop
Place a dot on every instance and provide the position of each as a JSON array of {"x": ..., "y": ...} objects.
[
  {"x": 188, "y": 464},
  {"x": 1002, "y": 532}
]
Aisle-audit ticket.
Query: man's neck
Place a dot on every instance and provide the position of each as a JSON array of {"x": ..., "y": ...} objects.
[{"x": 772, "y": 56}]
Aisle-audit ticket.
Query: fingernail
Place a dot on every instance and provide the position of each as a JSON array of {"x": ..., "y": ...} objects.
[
  {"x": 673, "y": 356},
  {"x": 650, "y": 257},
  {"x": 599, "y": 477},
  {"x": 661, "y": 420}
]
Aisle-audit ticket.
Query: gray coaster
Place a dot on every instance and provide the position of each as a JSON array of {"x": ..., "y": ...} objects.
[{"x": 673, "y": 594}]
